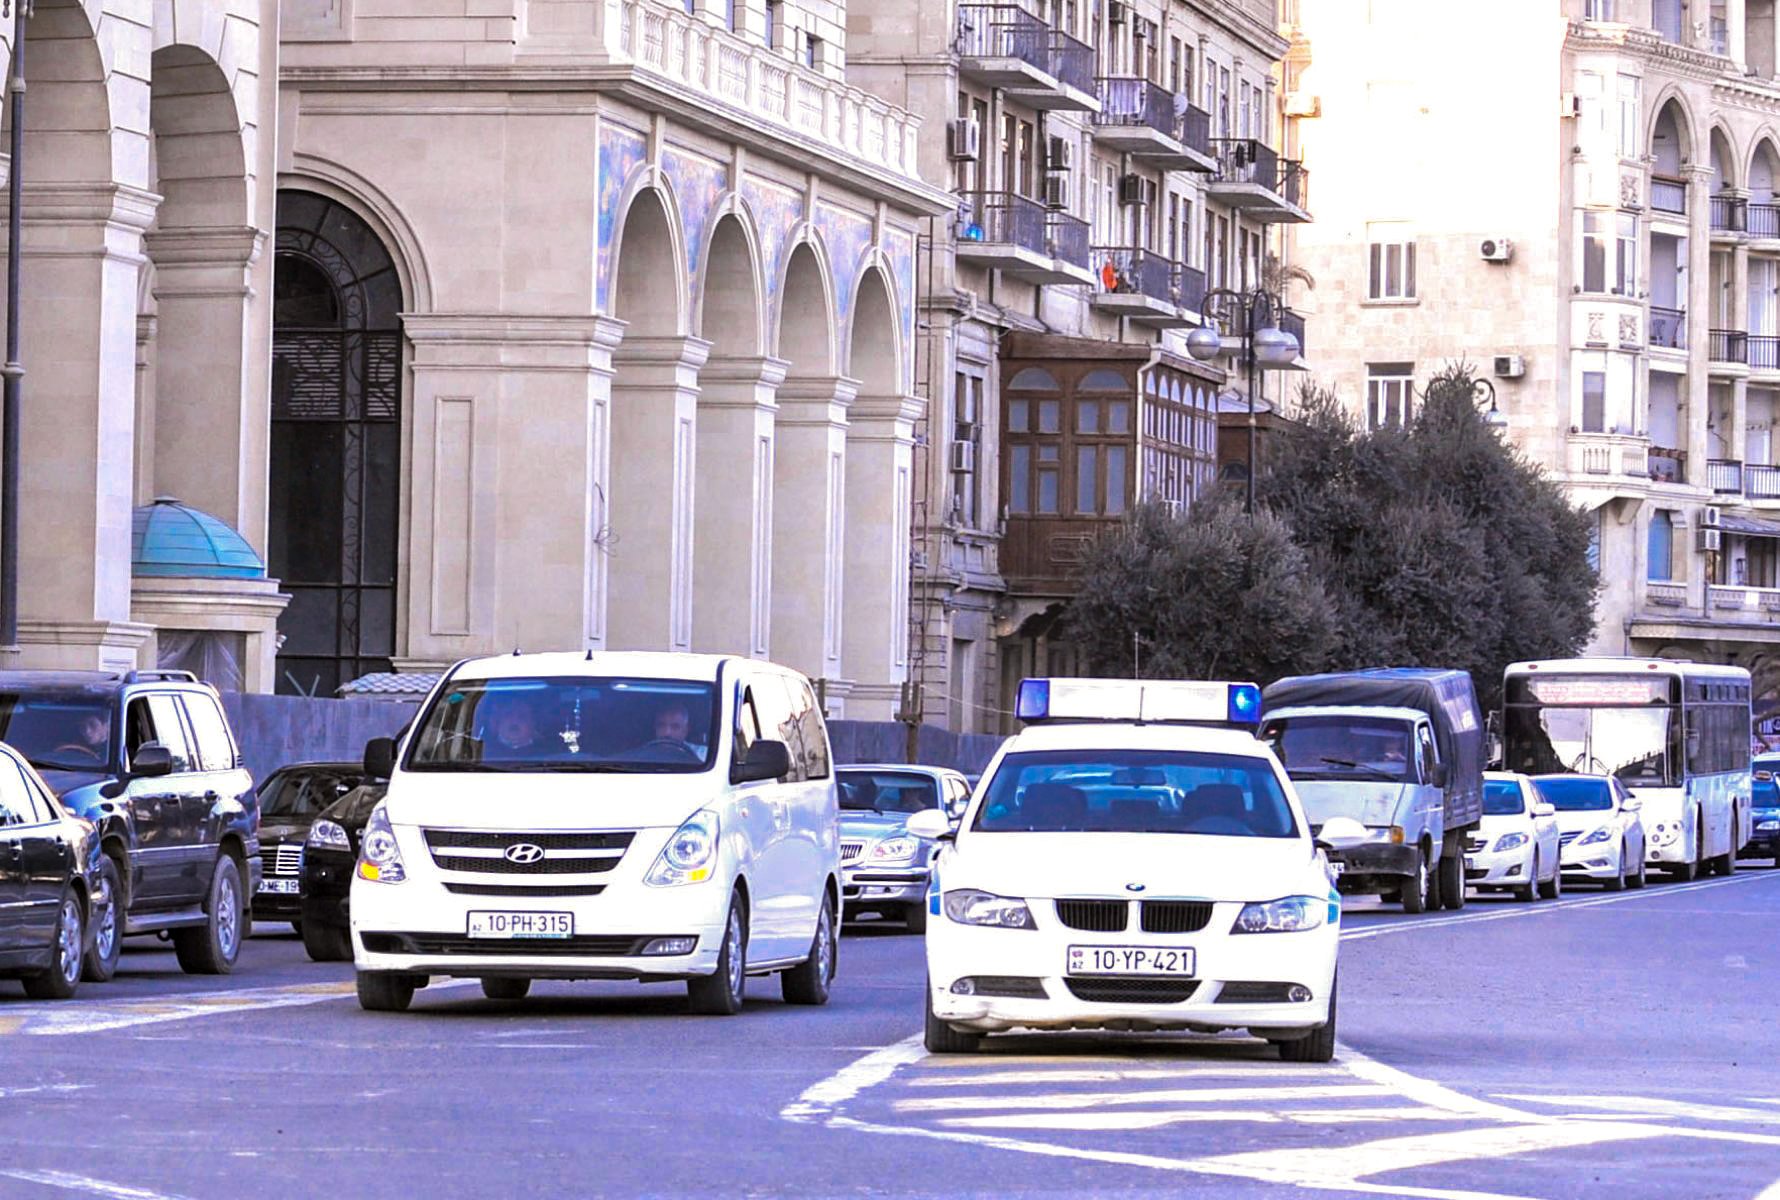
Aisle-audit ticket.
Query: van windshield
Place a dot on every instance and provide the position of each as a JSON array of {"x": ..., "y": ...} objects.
[
  {"x": 643, "y": 726},
  {"x": 1341, "y": 747}
]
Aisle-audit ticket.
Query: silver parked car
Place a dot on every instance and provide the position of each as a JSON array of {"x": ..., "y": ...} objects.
[{"x": 884, "y": 868}]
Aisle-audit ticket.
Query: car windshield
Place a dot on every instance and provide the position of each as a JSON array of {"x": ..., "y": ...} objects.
[
  {"x": 302, "y": 792},
  {"x": 1502, "y": 798},
  {"x": 643, "y": 726},
  {"x": 1767, "y": 791},
  {"x": 58, "y": 731},
  {"x": 1337, "y": 747},
  {"x": 1576, "y": 793},
  {"x": 886, "y": 791},
  {"x": 1136, "y": 791}
]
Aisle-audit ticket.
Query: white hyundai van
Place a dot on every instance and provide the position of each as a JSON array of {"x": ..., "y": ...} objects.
[{"x": 603, "y": 816}]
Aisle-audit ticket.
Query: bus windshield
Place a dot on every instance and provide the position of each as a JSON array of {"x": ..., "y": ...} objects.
[{"x": 1639, "y": 745}]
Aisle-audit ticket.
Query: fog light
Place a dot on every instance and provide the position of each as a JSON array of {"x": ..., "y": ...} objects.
[
  {"x": 1297, "y": 993},
  {"x": 671, "y": 945},
  {"x": 964, "y": 987},
  {"x": 1514, "y": 870}
]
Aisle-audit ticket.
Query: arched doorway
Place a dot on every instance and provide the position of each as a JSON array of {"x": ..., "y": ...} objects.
[{"x": 336, "y": 444}]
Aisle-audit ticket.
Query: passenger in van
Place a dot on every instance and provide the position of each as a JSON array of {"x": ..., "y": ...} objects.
[{"x": 511, "y": 727}]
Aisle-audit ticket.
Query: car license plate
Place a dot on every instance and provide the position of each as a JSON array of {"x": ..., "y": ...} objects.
[
  {"x": 1130, "y": 960},
  {"x": 280, "y": 887},
  {"x": 522, "y": 925}
]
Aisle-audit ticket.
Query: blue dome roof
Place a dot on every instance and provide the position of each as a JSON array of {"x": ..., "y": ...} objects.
[{"x": 169, "y": 539}]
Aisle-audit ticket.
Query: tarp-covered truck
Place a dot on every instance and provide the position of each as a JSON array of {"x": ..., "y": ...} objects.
[{"x": 1402, "y": 751}]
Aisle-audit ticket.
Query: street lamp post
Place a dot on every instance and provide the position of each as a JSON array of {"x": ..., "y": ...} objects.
[
  {"x": 13, "y": 369},
  {"x": 1495, "y": 418},
  {"x": 1265, "y": 347}
]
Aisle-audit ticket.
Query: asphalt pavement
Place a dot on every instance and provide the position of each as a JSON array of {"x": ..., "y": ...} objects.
[{"x": 1620, "y": 1045}]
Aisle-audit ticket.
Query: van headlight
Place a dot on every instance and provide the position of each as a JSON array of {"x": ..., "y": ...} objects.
[
  {"x": 968, "y": 906},
  {"x": 328, "y": 835},
  {"x": 1293, "y": 914},
  {"x": 690, "y": 856},
  {"x": 380, "y": 859}
]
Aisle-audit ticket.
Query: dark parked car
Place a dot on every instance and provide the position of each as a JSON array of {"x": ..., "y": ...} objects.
[
  {"x": 328, "y": 861},
  {"x": 148, "y": 758},
  {"x": 290, "y": 800},
  {"x": 48, "y": 866}
]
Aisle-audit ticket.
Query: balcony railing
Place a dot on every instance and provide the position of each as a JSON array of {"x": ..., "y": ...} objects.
[
  {"x": 1764, "y": 352},
  {"x": 1666, "y": 464},
  {"x": 1002, "y": 219},
  {"x": 1072, "y": 62},
  {"x": 1730, "y": 214},
  {"x": 1668, "y": 195},
  {"x": 1066, "y": 237},
  {"x": 1004, "y": 31},
  {"x": 1293, "y": 323},
  {"x": 1761, "y": 481},
  {"x": 1764, "y": 220},
  {"x": 1727, "y": 346},
  {"x": 1724, "y": 476},
  {"x": 1134, "y": 269},
  {"x": 1138, "y": 102},
  {"x": 1250, "y": 160},
  {"x": 1668, "y": 327}
]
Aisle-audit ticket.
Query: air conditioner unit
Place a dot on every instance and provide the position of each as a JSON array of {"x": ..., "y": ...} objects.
[
  {"x": 1303, "y": 104},
  {"x": 964, "y": 458},
  {"x": 1056, "y": 191},
  {"x": 1057, "y": 154},
  {"x": 1709, "y": 518},
  {"x": 1131, "y": 189},
  {"x": 1495, "y": 249},
  {"x": 1115, "y": 13},
  {"x": 1711, "y": 540},
  {"x": 1569, "y": 105},
  {"x": 964, "y": 139},
  {"x": 1510, "y": 366}
]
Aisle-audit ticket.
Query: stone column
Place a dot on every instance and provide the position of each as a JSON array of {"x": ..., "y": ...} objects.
[
  {"x": 83, "y": 258},
  {"x": 210, "y": 422},
  {"x": 875, "y": 621},
  {"x": 1733, "y": 15},
  {"x": 1738, "y": 319},
  {"x": 809, "y": 492},
  {"x": 649, "y": 532},
  {"x": 1699, "y": 319},
  {"x": 733, "y": 527}
]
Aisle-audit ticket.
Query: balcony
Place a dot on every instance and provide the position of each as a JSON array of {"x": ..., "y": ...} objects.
[
  {"x": 1724, "y": 476},
  {"x": 1253, "y": 178},
  {"x": 1761, "y": 481},
  {"x": 1293, "y": 323},
  {"x": 1665, "y": 464},
  {"x": 1763, "y": 221},
  {"x": 1020, "y": 237},
  {"x": 1668, "y": 196},
  {"x": 1743, "y": 604},
  {"x": 1727, "y": 351},
  {"x": 1730, "y": 217},
  {"x": 1144, "y": 286},
  {"x": 1004, "y": 46},
  {"x": 1141, "y": 118},
  {"x": 1668, "y": 328},
  {"x": 1608, "y": 457},
  {"x": 1764, "y": 352}
]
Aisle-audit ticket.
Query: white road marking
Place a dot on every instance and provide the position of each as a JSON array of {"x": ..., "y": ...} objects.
[
  {"x": 66, "y": 1020},
  {"x": 1736, "y": 962},
  {"x": 1063, "y": 1100},
  {"x": 1426, "y": 1091},
  {"x": 823, "y": 1098},
  {"x": 1265, "y": 1070},
  {"x": 1651, "y": 1108},
  {"x": 81, "y": 1183},
  {"x": 1086, "y": 1121}
]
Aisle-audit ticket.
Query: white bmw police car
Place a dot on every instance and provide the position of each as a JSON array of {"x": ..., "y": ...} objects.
[{"x": 1135, "y": 860}]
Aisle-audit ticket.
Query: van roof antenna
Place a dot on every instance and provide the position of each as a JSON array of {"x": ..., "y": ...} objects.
[{"x": 589, "y": 657}]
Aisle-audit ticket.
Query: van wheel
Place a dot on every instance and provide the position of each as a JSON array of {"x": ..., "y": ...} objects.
[
  {"x": 385, "y": 991},
  {"x": 807, "y": 982},
  {"x": 327, "y": 943},
  {"x": 1319, "y": 1047},
  {"x": 506, "y": 989},
  {"x": 941, "y": 1038},
  {"x": 1413, "y": 894},
  {"x": 915, "y": 915},
  {"x": 62, "y": 978},
  {"x": 213, "y": 947},
  {"x": 108, "y": 925},
  {"x": 719, "y": 994},
  {"x": 1452, "y": 881}
]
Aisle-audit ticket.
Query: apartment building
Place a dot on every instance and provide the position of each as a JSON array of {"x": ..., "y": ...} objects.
[
  {"x": 1111, "y": 164},
  {"x": 1602, "y": 239}
]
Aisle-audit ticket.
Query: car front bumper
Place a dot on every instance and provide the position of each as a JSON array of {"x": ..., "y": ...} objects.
[
  {"x": 1506, "y": 868},
  {"x": 1597, "y": 861},
  {"x": 327, "y": 886},
  {"x": 864, "y": 887},
  {"x": 1763, "y": 843}
]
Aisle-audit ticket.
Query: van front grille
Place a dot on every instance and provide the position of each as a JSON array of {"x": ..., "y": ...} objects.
[{"x": 491, "y": 852}]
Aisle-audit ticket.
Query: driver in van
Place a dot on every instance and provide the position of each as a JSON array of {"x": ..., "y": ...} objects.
[{"x": 673, "y": 727}]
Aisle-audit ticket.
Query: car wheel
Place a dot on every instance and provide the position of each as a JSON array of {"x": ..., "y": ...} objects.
[
  {"x": 107, "y": 919},
  {"x": 385, "y": 991},
  {"x": 1617, "y": 883},
  {"x": 213, "y": 947},
  {"x": 327, "y": 943},
  {"x": 941, "y": 1038},
  {"x": 719, "y": 994},
  {"x": 1413, "y": 894},
  {"x": 62, "y": 979},
  {"x": 915, "y": 916},
  {"x": 501, "y": 988},
  {"x": 1641, "y": 876},
  {"x": 807, "y": 982},
  {"x": 1530, "y": 891},
  {"x": 1451, "y": 879},
  {"x": 1319, "y": 1047},
  {"x": 1555, "y": 889}
]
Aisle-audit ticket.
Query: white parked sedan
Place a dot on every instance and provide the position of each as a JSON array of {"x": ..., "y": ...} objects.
[
  {"x": 1515, "y": 847},
  {"x": 1124, "y": 866},
  {"x": 1598, "y": 826}
]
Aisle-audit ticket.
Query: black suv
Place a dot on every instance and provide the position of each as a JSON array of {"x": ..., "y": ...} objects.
[{"x": 148, "y": 758}]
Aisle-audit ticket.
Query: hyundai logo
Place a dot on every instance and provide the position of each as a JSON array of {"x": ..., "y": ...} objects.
[
  {"x": 525, "y": 853},
  {"x": 1129, "y": 887}
]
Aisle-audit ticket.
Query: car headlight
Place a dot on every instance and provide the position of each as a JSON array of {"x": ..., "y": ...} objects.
[
  {"x": 690, "y": 856},
  {"x": 967, "y": 906},
  {"x": 1511, "y": 841},
  {"x": 1767, "y": 826},
  {"x": 895, "y": 849},
  {"x": 379, "y": 858},
  {"x": 1293, "y": 914},
  {"x": 330, "y": 835},
  {"x": 1601, "y": 834}
]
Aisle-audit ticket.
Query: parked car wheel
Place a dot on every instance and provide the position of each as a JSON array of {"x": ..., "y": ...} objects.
[
  {"x": 107, "y": 920},
  {"x": 1617, "y": 882},
  {"x": 1319, "y": 1047},
  {"x": 62, "y": 979},
  {"x": 1641, "y": 876},
  {"x": 719, "y": 994},
  {"x": 1529, "y": 892},
  {"x": 213, "y": 947},
  {"x": 1553, "y": 889},
  {"x": 385, "y": 991},
  {"x": 327, "y": 943}
]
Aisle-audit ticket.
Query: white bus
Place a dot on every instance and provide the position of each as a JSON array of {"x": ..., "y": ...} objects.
[{"x": 1676, "y": 734}]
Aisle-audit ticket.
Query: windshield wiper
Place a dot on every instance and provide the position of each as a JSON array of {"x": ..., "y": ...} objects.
[{"x": 1350, "y": 765}]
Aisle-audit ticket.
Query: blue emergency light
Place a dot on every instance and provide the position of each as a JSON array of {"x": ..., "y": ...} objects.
[{"x": 1157, "y": 701}]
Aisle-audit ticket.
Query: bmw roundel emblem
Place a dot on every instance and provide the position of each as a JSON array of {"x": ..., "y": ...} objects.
[
  {"x": 1134, "y": 887},
  {"x": 525, "y": 853}
]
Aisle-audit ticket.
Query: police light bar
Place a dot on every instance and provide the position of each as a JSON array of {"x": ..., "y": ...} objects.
[{"x": 1158, "y": 701}]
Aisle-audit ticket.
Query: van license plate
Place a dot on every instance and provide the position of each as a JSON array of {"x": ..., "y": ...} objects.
[
  {"x": 522, "y": 925},
  {"x": 1130, "y": 960}
]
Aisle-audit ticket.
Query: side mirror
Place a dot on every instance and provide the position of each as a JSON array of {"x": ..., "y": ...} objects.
[
  {"x": 1544, "y": 810},
  {"x": 1341, "y": 833},
  {"x": 151, "y": 761},
  {"x": 380, "y": 758},
  {"x": 1438, "y": 775},
  {"x": 930, "y": 823},
  {"x": 765, "y": 760},
  {"x": 1632, "y": 804}
]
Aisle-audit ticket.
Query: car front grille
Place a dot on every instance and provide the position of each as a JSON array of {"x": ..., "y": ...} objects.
[
  {"x": 283, "y": 859},
  {"x": 1102, "y": 989},
  {"x": 851, "y": 851},
  {"x": 605, "y": 946},
  {"x": 1476, "y": 844},
  {"x": 1176, "y": 916},
  {"x": 1095, "y": 916},
  {"x": 1564, "y": 839},
  {"x": 485, "y": 853},
  {"x": 528, "y": 891}
]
